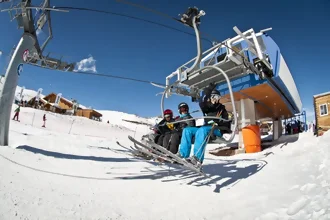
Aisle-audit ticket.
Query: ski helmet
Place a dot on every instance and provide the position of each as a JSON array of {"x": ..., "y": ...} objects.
[
  {"x": 168, "y": 113},
  {"x": 215, "y": 96},
  {"x": 183, "y": 105},
  {"x": 215, "y": 92}
]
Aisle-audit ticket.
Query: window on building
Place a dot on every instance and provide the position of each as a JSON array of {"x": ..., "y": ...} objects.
[{"x": 323, "y": 109}]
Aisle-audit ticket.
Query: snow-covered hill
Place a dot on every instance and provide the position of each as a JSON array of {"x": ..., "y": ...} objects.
[
  {"x": 80, "y": 172},
  {"x": 114, "y": 117}
]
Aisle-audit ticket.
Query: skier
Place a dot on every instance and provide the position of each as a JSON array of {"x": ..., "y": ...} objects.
[
  {"x": 44, "y": 119},
  {"x": 210, "y": 106},
  {"x": 172, "y": 139},
  {"x": 17, "y": 110},
  {"x": 164, "y": 126}
]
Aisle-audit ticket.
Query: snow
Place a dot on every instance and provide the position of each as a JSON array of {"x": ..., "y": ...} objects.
[
  {"x": 74, "y": 169},
  {"x": 120, "y": 118},
  {"x": 28, "y": 94}
]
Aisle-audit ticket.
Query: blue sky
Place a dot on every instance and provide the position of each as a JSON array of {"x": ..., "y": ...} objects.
[{"x": 126, "y": 47}]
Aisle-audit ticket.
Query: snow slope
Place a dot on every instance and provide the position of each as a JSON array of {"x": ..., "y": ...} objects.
[
  {"x": 47, "y": 173},
  {"x": 124, "y": 119},
  {"x": 114, "y": 117}
]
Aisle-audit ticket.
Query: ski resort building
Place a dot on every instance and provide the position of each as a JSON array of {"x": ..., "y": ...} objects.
[
  {"x": 321, "y": 109},
  {"x": 64, "y": 106},
  {"x": 89, "y": 113}
]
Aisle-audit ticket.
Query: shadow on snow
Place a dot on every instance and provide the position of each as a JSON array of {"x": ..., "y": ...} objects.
[
  {"x": 71, "y": 156},
  {"x": 223, "y": 174}
]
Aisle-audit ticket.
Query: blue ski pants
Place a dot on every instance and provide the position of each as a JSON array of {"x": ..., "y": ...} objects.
[{"x": 200, "y": 141}]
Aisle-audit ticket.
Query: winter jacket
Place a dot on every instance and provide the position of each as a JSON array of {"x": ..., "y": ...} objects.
[
  {"x": 182, "y": 125},
  {"x": 210, "y": 109},
  {"x": 163, "y": 128}
]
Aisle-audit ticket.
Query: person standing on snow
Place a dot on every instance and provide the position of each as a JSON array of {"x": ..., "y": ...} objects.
[
  {"x": 44, "y": 119},
  {"x": 165, "y": 126},
  {"x": 172, "y": 140},
  {"x": 210, "y": 106},
  {"x": 17, "y": 110}
]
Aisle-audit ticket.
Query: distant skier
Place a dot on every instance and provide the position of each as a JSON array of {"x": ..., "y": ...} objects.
[
  {"x": 172, "y": 139},
  {"x": 210, "y": 106},
  {"x": 44, "y": 119},
  {"x": 17, "y": 110}
]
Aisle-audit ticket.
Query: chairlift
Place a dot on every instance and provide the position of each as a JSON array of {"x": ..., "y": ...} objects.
[{"x": 192, "y": 19}]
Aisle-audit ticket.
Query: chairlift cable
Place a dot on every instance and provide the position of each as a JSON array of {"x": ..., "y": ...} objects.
[
  {"x": 170, "y": 17},
  {"x": 145, "y": 8},
  {"x": 128, "y": 16},
  {"x": 144, "y": 20},
  {"x": 136, "y": 18},
  {"x": 161, "y": 14},
  {"x": 104, "y": 75}
]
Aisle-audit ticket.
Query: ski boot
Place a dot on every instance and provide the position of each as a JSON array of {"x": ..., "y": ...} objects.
[{"x": 195, "y": 162}]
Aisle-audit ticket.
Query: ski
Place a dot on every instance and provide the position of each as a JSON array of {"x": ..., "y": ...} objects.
[
  {"x": 135, "y": 152},
  {"x": 142, "y": 153},
  {"x": 175, "y": 158},
  {"x": 180, "y": 160},
  {"x": 149, "y": 150}
]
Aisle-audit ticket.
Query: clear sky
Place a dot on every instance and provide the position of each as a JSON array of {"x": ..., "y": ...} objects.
[{"x": 131, "y": 48}]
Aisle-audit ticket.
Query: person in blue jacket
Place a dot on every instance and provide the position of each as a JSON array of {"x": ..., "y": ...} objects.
[{"x": 210, "y": 106}]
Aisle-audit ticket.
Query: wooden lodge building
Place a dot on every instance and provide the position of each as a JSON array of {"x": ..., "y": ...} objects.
[
  {"x": 322, "y": 116},
  {"x": 64, "y": 106}
]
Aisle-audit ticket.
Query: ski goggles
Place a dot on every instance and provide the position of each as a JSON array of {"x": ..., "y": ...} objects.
[
  {"x": 167, "y": 116},
  {"x": 183, "y": 108},
  {"x": 215, "y": 97}
]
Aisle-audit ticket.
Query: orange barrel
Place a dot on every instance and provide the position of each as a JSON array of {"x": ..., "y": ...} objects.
[{"x": 252, "y": 138}]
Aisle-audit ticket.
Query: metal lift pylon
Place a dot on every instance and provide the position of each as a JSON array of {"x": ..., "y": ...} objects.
[{"x": 27, "y": 51}]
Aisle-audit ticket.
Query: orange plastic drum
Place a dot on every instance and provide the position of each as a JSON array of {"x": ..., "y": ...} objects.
[{"x": 252, "y": 138}]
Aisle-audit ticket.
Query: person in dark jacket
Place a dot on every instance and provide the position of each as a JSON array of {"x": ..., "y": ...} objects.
[
  {"x": 210, "y": 106},
  {"x": 172, "y": 139},
  {"x": 164, "y": 126}
]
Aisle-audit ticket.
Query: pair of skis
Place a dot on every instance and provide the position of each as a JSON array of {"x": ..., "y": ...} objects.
[{"x": 160, "y": 153}]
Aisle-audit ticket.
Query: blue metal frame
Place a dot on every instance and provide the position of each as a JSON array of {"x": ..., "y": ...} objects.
[{"x": 251, "y": 80}]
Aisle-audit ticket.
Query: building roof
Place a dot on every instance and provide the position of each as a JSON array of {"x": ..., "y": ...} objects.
[
  {"x": 322, "y": 94},
  {"x": 68, "y": 101}
]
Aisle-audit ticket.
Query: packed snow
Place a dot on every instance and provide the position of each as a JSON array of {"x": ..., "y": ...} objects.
[{"x": 76, "y": 168}]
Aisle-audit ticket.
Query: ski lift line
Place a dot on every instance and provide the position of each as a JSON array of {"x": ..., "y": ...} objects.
[
  {"x": 50, "y": 9},
  {"x": 117, "y": 77},
  {"x": 145, "y": 8},
  {"x": 105, "y": 75},
  {"x": 34, "y": 7},
  {"x": 113, "y": 76},
  {"x": 162, "y": 14},
  {"x": 128, "y": 16}
]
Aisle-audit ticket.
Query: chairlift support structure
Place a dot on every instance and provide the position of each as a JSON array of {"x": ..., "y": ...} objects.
[{"x": 27, "y": 51}]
